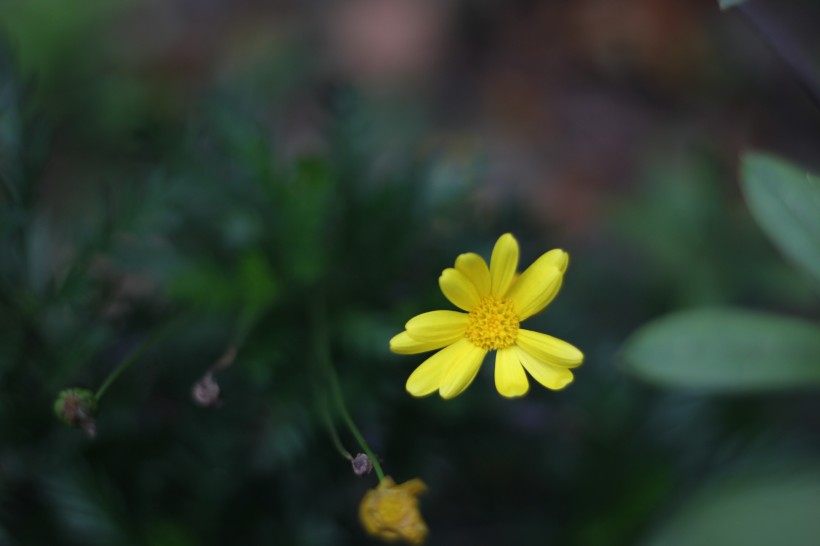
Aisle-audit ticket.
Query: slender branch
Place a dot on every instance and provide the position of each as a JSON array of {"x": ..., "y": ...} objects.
[
  {"x": 133, "y": 356},
  {"x": 323, "y": 355},
  {"x": 245, "y": 323},
  {"x": 786, "y": 47},
  {"x": 354, "y": 430},
  {"x": 331, "y": 429}
]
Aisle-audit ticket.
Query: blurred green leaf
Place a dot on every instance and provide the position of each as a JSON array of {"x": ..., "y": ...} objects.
[
  {"x": 169, "y": 533},
  {"x": 777, "y": 508},
  {"x": 45, "y": 32},
  {"x": 10, "y": 133},
  {"x": 726, "y": 4},
  {"x": 41, "y": 253},
  {"x": 680, "y": 212},
  {"x": 89, "y": 507},
  {"x": 257, "y": 281},
  {"x": 307, "y": 201},
  {"x": 250, "y": 283},
  {"x": 785, "y": 200},
  {"x": 725, "y": 350},
  {"x": 204, "y": 285}
]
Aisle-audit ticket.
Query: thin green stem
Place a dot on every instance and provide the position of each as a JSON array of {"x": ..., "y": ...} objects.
[
  {"x": 245, "y": 323},
  {"x": 132, "y": 357},
  {"x": 354, "y": 430},
  {"x": 323, "y": 355},
  {"x": 331, "y": 429}
]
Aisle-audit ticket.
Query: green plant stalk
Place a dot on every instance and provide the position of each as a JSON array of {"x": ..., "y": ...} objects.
[
  {"x": 354, "y": 430},
  {"x": 132, "y": 357},
  {"x": 323, "y": 355},
  {"x": 245, "y": 323},
  {"x": 331, "y": 429}
]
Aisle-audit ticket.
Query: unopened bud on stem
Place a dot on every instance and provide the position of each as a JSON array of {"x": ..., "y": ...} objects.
[
  {"x": 361, "y": 464},
  {"x": 205, "y": 392},
  {"x": 77, "y": 408}
]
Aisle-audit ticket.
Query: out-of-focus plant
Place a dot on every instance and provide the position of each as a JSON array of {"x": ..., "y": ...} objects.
[
  {"x": 246, "y": 274},
  {"x": 728, "y": 350},
  {"x": 734, "y": 350},
  {"x": 724, "y": 350},
  {"x": 726, "y": 4}
]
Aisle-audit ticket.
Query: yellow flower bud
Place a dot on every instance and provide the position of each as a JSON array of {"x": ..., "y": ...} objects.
[{"x": 390, "y": 512}]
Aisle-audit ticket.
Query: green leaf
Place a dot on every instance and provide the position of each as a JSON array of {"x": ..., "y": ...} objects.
[
  {"x": 10, "y": 134},
  {"x": 256, "y": 281},
  {"x": 88, "y": 506},
  {"x": 726, "y": 4},
  {"x": 725, "y": 350},
  {"x": 760, "y": 510},
  {"x": 785, "y": 201}
]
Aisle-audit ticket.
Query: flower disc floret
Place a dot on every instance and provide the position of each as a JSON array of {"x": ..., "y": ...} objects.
[{"x": 493, "y": 324}]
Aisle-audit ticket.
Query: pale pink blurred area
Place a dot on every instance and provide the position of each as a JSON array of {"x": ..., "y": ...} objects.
[
  {"x": 560, "y": 103},
  {"x": 375, "y": 44},
  {"x": 192, "y": 43},
  {"x": 384, "y": 44}
]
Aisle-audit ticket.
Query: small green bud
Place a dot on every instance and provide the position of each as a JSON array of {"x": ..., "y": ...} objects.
[{"x": 77, "y": 408}]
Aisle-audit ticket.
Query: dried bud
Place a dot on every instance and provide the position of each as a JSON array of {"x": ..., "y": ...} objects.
[
  {"x": 205, "y": 392},
  {"x": 361, "y": 464},
  {"x": 77, "y": 408},
  {"x": 390, "y": 512}
]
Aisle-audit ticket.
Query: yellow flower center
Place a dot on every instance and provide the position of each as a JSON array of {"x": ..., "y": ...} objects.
[{"x": 493, "y": 324}]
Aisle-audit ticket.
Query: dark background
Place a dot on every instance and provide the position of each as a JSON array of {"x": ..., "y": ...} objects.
[{"x": 180, "y": 176}]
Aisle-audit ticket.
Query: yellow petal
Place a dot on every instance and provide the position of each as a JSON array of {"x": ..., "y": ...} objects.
[
  {"x": 503, "y": 264},
  {"x": 445, "y": 326},
  {"x": 404, "y": 344},
  {"x": 556, "y": 257},
  {"x": 458, "y": 289},
  {"x": 552, "y": 377},
  {"x": 510, "y": 379},
  {"x": 426, "y": 379},
  {"x": 535, "y": 288},
  {"x": 413, "y": 487},
  {"x": 466, "y": 361},
  {"x": 549, "y": 349},
  {"x": 475, "y": 268}
]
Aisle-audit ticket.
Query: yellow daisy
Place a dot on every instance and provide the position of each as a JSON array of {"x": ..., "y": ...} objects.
[{"x": 496, "y": 300}]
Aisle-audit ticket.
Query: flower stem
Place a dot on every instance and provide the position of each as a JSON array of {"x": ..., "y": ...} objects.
[
  {"x": 244, "y": 324},
  {"x": 331, "y": 429},
  {"x": 323, "y": 355},
  {"x": 133, "y": 356},
  {"x": 354, "y": 430}
]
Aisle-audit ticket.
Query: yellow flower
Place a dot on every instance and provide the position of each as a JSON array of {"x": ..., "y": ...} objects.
[
  {"x": 496, "y": 301},
  {"x": 391, "y": 512}
]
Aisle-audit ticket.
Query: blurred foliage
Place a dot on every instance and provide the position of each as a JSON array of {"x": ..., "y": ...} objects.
[
  {"x": 726, "y": 4},
  {"x": 765, "y": 507},
  {"x": 218, "y": 186},
  {"x": 785, "y": 201},
  {"x": 702, "y": 241},
  {"x": 726, "y": 350}
]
